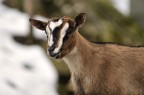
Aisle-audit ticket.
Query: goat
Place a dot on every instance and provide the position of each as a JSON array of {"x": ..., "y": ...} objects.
[{"x": 96, "y": 69}]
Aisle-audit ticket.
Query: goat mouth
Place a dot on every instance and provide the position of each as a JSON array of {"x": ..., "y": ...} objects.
[{"x": 56, "y": 55}]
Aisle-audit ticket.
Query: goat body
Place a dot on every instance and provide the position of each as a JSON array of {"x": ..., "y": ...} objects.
[
  {"x": 106, "y": 69},
  {"x": 97, "y": 69}
]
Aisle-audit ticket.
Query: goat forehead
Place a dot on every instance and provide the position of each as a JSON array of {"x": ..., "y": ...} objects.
[{"x": 54, "y": 24}]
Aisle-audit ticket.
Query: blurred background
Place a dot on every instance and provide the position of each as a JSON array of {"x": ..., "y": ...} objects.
[{"x": 26, "y": 69}]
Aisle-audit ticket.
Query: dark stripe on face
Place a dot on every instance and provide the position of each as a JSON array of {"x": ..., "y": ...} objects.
[
  {"x": 62, "y": 33},
  {"x": 50, "y": 28}
]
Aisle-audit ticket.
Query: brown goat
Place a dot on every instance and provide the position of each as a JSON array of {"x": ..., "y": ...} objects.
[{"x": 96, "y": 69}]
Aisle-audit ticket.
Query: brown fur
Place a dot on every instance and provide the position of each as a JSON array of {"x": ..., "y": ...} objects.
[
  {"x": 106, "y": 69},
  {"x": 100, "y": 69}
]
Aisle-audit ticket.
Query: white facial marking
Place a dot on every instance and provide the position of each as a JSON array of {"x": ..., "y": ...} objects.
[
  {"x": 51, "y": 41},
  {"x": 50, "y": 37},
  {"x": 62, "y": 34},
  {"x": 53, "y": 25},
  {"x": 48, "y": 32}
]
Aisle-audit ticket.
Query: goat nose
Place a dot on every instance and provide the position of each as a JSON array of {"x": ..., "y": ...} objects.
[{"x": 51, "y": 48}]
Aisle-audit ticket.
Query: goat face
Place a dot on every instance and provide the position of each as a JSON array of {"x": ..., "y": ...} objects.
[{"x": 60, "y": 32}]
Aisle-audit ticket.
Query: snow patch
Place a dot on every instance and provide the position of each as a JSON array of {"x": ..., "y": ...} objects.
[{"x": 24, "y": 70}]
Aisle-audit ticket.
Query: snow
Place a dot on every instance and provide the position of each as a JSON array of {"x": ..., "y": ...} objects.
[
  {"x": 24, "y": 70},
  {"x": 122, "y": 5},
  {"x": 17, "y": 23}
]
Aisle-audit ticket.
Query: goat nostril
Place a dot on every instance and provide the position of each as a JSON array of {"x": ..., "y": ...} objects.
[{"x": 51, "y": 48}]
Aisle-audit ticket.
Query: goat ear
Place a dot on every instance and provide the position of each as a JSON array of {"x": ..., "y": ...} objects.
[
  {"x": 80, "y": 19},
  {"x": 38, "y": 24}
]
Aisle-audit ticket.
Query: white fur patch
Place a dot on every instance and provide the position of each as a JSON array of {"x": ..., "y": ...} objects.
[
  {"x": 62, "y": 34},
  {"x": 50, "y": 37},
  {"x": 53, "y": 25},
  {"x": 48, "y": 32},
  {"x": 50, "y": 43}
]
